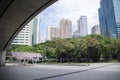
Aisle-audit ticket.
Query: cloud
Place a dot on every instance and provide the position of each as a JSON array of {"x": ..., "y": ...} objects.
[{"x": 71, "y": 9}]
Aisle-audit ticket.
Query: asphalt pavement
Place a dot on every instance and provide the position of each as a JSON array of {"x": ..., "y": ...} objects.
[{"x": 96, "y": 71}]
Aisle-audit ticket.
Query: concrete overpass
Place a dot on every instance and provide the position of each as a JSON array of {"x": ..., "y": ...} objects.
[{"x": 14, "y": 15}]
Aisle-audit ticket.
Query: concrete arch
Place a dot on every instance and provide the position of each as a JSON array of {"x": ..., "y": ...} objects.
[{"x": 15, "y": 14}]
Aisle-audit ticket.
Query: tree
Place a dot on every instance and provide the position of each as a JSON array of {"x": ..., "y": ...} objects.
[
  {"x": 20, "y": 48},
  {"x": 93, "y": 48},
  {"x": 75, "y": 49}
]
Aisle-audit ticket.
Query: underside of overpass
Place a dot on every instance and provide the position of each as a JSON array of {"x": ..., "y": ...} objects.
[{"x": 14, "y": 15}]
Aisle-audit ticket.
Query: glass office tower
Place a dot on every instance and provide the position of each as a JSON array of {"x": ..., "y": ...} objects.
[
  {"x": 82, "y": 26},
  {"x": 109, "y": 17},
  {"x": 35, "y": 31}
]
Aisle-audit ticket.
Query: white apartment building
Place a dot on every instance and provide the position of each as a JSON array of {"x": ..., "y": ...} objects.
[
  {"x": 30, "y": 34},
  {"x": 65, "y": 28},
  {"x": 52, "y": 32},
  {"x": 25, "y": 36}
]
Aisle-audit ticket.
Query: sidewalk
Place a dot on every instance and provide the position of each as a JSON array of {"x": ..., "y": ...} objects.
[
  {"x": 73, "y": 66},
  {"x": 64, "y": 66}
]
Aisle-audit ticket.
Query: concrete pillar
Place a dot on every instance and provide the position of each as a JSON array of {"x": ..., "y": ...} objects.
[{"x": 2, "y": 58}]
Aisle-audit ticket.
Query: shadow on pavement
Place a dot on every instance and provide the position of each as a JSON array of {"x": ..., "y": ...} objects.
[{"x": 71, "y": 72}]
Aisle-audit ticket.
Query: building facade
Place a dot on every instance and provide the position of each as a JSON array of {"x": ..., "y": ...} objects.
[
  {"x": 52, "y": 32},
  {"x": 25, "y": 36},
  {"x": 95, "y": 29},
  {"x": 29, "y": 35},
  {"x": 82, "y": 26},
  {"x": 36, "y": 30},
  {"x": 76, "y": 34},
  {"x": 65, "y": 27},
  {"x": 109, "y": 18}
]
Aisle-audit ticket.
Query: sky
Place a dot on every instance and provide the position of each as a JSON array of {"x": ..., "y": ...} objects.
[{"x": 71, "y": 9}]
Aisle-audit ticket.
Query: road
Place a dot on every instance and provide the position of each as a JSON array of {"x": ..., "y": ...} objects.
[{"x": 96, "y": 71}]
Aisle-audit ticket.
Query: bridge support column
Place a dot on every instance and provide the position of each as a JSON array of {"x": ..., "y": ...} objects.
[{"x": 2, "y": 58}]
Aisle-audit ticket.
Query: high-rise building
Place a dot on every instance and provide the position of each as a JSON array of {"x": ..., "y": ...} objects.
[
  {"x": 95, "y": 29},
  {"x": 25, "y": 36},
  {"x": 76, "y": 34},
  {"x": 35, "y": 30},
  {"x": 65, "y": 28},
  {"x": 82, "y": 26},
  {"x": 109, "y": 17},
  {"x": 29, "y": 35},
  {"x": 52, "y": 32}
]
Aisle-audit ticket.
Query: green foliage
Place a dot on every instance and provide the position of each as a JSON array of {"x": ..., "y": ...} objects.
[
  {"x": 20, "y": 48},
  {"x": 91, "y": 47}
]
